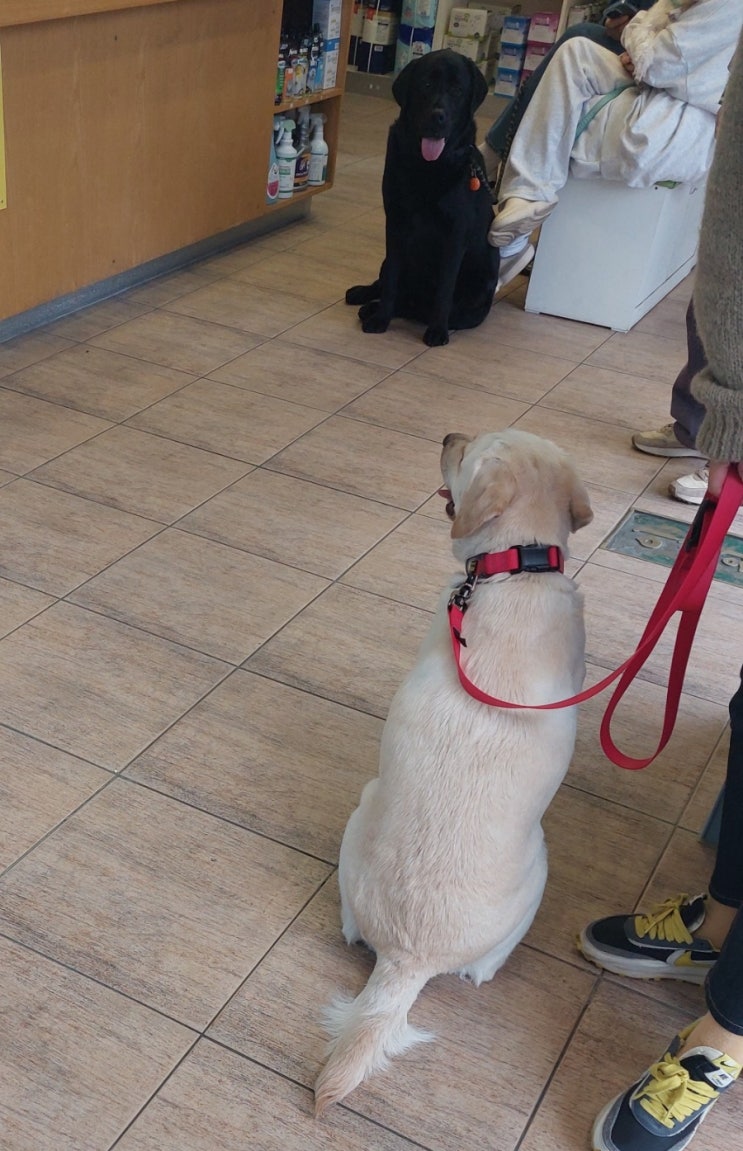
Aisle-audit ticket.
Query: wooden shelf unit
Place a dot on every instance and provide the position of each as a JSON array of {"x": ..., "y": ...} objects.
[{"x": 135, "y": 129}]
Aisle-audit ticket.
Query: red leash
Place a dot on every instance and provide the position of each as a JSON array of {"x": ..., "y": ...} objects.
[{"x": 684, "y": 591}]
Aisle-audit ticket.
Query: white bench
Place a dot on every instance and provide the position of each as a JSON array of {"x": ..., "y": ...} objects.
[{"x": 608, "y": 253}]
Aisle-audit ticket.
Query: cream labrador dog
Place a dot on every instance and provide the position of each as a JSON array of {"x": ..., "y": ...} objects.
[{"x": 443, "y": 864}]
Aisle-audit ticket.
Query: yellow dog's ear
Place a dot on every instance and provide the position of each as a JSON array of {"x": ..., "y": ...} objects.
[
  {"x": 581, "y": 512},
  {"x": 488, "y": 496}
]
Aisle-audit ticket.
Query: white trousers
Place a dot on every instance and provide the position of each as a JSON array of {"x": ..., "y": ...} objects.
[{"x": 540, "y": 155}]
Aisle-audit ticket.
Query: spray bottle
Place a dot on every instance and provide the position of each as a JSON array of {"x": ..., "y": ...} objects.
[
  {"x": 272, "y": 181},
  {"x": 302, "y": 170},
  {"x": 287, "y": 157},
  {"x": 318, "y": 151}
]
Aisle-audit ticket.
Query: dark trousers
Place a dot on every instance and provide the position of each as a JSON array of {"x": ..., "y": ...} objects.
[
  {"x": 724, "y": 988},
  {"x": 502, "y": 131},
  {"x": 687, "y": 412}
]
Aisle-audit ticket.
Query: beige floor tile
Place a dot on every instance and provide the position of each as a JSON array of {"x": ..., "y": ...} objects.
[
  {"x": 32, "y": 431},
  {"x": 97, "y": 318},
  {"x": 163, "y": 289},
  {"x": 663, "y": 789},
  {"x": 337, "y": 329},
  {"x": 97, "y": 688},
  {"x": 398, "y": 469},
  {"x": 54, "y": 541},
  {"x": 296, "y": 780},
  {"x": 18, "y": 604},
  {"x": 301, "y": 375},
  {"x": 586, "y": 840},
  {"x": 424, "y": 406},
  {"x": 319, "y": 651},
  {"x": 477, "y": 359},
  {"x": 148, "y": 475},
  {"x": 69, "y": 1082},
  {"x": 618, "y": 607},
  {"x": 156, "y": 900},
  {"x": 203, "y": 594},
  {"x": 177, "y": 342},
  {"x": 24, "y": 350},
  {"x": 667, "y": 318},
  {"x": 612, "y": 396},
  {"x": 642, "y": 354},
  {"x": 230, "y": 421},
  {"x": 699, "y": 808},
  {"x": 621, "y": 1034},
  {"x": 359, "y": 255},
  {"x": 6, "y": 477},
  {"x": 40, "y": 786},
  {"x": 244, "y": 306},
  {"x": 319, "y": 282},
  {"x": 217, "y": 1101},
  {"x": 546, "y": 334},
  {"x": 609, "y": 507},
  {"x": 412, "y": 565},
  {"x": 474, "y": 1086},
  {"x": 302, "y": 524},
  {"x": 102, "y": 383},
  {"x": 600, "y": 450}
]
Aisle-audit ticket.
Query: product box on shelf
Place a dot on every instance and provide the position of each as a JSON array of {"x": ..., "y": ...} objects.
[
  {"x": 327, "y": 14},
  {"x": 470, "y": 22},
  {"x": 535, "y": 54},
  {"x": 578, "y": 14},
  {"x": 473, "y": 47},
  {"x": 543, "y": 27},
  {"x": 419, "y": 13},
  {"x": 507, "y": 81},
  {"x": 498, "y": 12},
  {"x": 376, "y": 50},
  {"x": 412, "y": 42},
  {"x": 358, "y": 11},
  {"x": 512, "y": 56},
  {"x": 515, "y": 30}
]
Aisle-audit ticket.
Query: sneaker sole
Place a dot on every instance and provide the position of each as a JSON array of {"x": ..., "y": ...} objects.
[
  {"x": 636, "y": 968},
  {"x": 669, "y": 453},
  {"x": 684, "y": 499},
  {"x": 523, "y": 261}
]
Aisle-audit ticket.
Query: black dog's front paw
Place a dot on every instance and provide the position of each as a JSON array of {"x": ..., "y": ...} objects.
[
  {"x": 363, "y": 293},
  {"x": 373, "y": 318},
  {"x": 436, "y": 336}
]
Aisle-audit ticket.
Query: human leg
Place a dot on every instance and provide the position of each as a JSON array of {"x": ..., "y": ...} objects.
[
  {"x": 539, "y": 158},
  {"x": 678, "y": 438}
]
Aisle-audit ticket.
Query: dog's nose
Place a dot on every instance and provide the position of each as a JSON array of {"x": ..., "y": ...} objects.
[{"x": 438, "y": 117}]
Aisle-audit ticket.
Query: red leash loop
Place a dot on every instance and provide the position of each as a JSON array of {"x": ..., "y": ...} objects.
[{"x": 685, "y": 591}]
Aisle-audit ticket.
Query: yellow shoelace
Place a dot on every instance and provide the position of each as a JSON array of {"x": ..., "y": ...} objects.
[
  {"x": 671, "y": 1095},
  {"x": 664, "y": 922}
]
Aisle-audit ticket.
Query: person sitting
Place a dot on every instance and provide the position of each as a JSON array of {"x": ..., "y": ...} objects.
[{"x": 645, "y": 117}]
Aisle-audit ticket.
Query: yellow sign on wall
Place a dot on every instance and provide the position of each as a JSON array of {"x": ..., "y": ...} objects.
[{"x": 3, "y": 190}]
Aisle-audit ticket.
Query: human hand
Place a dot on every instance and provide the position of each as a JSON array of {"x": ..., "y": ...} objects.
[
  {"x": 626, "y": 63},
  {"x": 718, "y": 469}
]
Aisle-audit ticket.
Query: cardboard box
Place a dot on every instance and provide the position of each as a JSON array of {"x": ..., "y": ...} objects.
[
  {"x": 328, "y": 14},
  {"x": 515, "y": 30},
  {"x": 470, "y": 22},
  {"x": 543, "y": 27},
  {"x": 512, "y": 56},
  {"x": 507, "y": 81},
  {"x": 535, "y": 54},
  {"x": 473, "y": 47}
]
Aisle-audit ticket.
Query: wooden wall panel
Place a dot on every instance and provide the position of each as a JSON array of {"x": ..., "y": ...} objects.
[
  {"x": 131, "y": 134},
  {"x": 29, "y": 11}
]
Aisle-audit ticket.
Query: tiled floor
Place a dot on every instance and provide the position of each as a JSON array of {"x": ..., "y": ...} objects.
[{"x": 221, "y": 548}]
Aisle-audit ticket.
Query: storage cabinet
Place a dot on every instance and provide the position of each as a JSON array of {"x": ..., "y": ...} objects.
[{"x": 134, "y": 129}]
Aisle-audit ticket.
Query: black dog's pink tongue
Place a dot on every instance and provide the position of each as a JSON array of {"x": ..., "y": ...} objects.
[{"x": 431, "y": 149}]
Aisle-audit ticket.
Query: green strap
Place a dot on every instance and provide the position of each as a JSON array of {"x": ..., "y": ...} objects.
[{"x": 588, "y": 116}]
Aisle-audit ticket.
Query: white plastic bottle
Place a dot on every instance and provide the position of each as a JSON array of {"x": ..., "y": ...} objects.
[
  {"x": 286, "y": 154},
  {"x": 318, "y": 152}
]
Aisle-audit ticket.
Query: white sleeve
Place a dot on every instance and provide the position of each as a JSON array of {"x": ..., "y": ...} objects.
[{"x": 650, "y": 41}]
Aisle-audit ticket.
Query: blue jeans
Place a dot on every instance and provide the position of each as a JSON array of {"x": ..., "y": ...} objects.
[
  {"x": 686, "y": 410},
  {"x": 724, "y": 986},
  {"x": 502, "y": 131}
]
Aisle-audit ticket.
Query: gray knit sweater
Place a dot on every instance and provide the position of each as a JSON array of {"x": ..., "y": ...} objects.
[{"x": 718, "y": 290}]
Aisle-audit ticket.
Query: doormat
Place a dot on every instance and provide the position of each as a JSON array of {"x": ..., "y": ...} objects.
[{"x": 655, "y": 538}]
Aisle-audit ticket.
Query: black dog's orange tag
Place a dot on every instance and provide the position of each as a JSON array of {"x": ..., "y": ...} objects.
[{"x": 474, "y": 183}]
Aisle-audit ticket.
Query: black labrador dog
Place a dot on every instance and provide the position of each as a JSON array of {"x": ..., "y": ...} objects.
[{"x": 439, "y": 268}]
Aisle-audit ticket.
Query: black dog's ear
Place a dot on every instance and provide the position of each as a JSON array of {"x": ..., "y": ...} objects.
[
  {"x": 401, "y": 84},
  {"x": 479, "y": 86}
]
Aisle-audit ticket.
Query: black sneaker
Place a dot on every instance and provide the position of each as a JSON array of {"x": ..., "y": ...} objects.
[
  {"x": 662, "y": 1111},
  {"x": 659, "y": 945}
]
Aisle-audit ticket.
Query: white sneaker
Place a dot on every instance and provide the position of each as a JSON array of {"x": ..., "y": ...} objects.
[
  {"x": 691, "y": 489},
  {"x": 511, "y": 266},
  {"x": 516, "y": 218}
]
